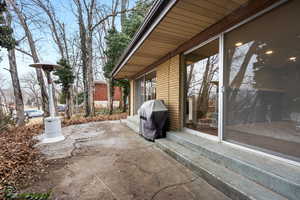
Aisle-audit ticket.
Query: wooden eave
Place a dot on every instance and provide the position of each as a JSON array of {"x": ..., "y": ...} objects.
[{"x": 185, "y": 24}]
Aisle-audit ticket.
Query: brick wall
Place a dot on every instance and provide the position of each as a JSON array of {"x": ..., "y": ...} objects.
[
  {"x": 101, "y": 92},
  {"x": 168, "y": 89}
]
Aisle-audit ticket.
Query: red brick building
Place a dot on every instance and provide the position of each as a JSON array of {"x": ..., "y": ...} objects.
[{"x": 100, "y": 96}]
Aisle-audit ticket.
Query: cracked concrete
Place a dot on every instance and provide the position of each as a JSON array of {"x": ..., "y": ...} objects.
[{"x": 106, "y": 160}]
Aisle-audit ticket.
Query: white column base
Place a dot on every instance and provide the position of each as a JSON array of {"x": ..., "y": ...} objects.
[{"x": 52, "y": 130}]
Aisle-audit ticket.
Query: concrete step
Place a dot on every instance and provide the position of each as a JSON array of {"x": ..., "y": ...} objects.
[
  {"x": 280, "y": 177},
  {"x": 132, "y": 122},
  {"x": 232, "y": 184}
]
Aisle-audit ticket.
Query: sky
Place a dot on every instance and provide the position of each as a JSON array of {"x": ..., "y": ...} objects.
[{"x": 47, "y": 50}]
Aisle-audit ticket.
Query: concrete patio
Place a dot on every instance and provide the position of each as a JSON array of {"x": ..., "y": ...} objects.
[{"x": 106, "y": 160}]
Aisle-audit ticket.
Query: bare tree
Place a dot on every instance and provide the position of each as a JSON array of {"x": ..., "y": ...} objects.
[
  {"x": 93, "y": 18},
  {"x": 58, "y": 31},
  {"x": 31, "y": 86},
  {"x": 18, "y": 98},
  {"x": 86, "y": 45},
  {"x": 75, "y": 62},
  {"x": 204, "y": 91},
  {"x": 23, "y": 21}
]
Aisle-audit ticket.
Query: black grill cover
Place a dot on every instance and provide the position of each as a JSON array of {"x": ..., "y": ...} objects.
[{"x": 153, "y": 117}]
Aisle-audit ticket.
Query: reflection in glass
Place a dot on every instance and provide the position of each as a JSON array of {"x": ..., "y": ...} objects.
[
  {"x": 145, "y": 89},
  {"x": 202, "y": 88},
  {"x": 139, "y": 93},
  {"x": 262, "y": 79},
  {"x": 150, "y": 86}
]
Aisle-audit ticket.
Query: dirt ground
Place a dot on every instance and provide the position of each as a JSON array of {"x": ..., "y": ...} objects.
[{"x": 106, "y": 161}]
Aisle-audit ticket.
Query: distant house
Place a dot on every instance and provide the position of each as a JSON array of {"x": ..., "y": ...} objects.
[{"x": 100, "y": 95}]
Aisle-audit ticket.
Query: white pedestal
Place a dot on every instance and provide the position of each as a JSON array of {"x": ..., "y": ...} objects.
[{"x": 52, "y": 130}]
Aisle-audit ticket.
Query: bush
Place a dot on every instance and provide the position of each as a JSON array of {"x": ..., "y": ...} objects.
[{"x": 6, "y": 121}]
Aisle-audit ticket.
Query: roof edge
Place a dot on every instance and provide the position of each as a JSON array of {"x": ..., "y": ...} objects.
[{"x": 153, "y": 16}]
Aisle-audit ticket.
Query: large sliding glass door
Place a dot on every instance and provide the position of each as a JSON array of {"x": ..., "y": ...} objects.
[
  {"x": 262, "y": 80},
  {"x": 257, "y": 66}
]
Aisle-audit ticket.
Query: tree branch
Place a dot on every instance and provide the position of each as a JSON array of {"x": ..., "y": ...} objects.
[
  {"x": 8, "y": 70},
  {"x": 110, "y": 15},
  {"x": 24, "y": 52}
]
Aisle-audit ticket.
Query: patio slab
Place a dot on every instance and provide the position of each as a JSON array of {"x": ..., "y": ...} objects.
[{"x": 106, "y": 160}]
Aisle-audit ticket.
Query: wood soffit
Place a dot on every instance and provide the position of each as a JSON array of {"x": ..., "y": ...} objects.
[{"x": 187, "y": 24}]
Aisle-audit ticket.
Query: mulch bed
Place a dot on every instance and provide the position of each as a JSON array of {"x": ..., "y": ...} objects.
[
  {"x": 20, "y": 162},
  {"x": 82, "y": 120}
]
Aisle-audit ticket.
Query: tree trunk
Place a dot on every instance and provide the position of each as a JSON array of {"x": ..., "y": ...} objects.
[
  {"x": 202, "y": 102},
  {"x": 90, "y": 75},
  {"x": 110, "y": 95},
  {"x": 17, "y": 89},
  {"x": 18, "y": 98},
  {"x": 71, "y": 101},
  {"x": 238, "y": 79},
  {"x": 90, "y": 57},
  {"x": 86, "y": 57},
  {"x": 54, "y": 98},
  {"x": 189, "y": 78},
  {"x": 68, "y": 102}
]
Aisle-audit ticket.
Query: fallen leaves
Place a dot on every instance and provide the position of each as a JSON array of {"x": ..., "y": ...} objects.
[
  {"x": 20, "y": 162},
  {"x": 82, "y": 120}
]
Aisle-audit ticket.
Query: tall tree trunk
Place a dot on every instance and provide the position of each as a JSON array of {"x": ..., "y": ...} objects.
[
  {"x": 189, "y": 78},
  {"x": 110, "y": 96},
  {"x": 86, "y": 56},
  {"x": 90, "y": 75},
  {"x": 17, "y": 89},
  {"x": 34, "y": 55},
  {"x": 84, "y": 65},
  {"x": 54, "y": 98},
  {"x": 202, "y": 102},
  {"x": 18, "y": 98},
  {"x": 68, "y": 102},
  {"x": 90, "y": 57},
  {"x": 71, "y": 101}
]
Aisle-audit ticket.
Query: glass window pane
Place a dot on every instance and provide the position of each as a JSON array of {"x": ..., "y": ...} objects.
[
  {"x": 202, "y": 67},
  {"x": 150, "y": 86},
  {"x": 262, "y": 79},
  {"x": 139, "y": 93},
  {"x": 145, "y": 89}
]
